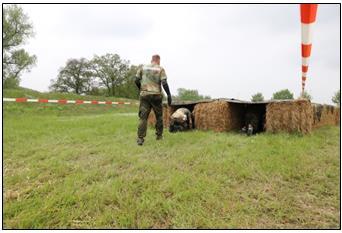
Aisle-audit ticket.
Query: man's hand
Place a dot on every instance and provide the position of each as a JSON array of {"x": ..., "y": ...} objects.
[{"x": 169, "y": 100}]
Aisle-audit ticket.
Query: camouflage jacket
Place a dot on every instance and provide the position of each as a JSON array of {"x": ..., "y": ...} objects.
[{"x": 151, "y": 77}]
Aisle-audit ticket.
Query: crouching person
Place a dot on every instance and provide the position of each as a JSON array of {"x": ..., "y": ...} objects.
[
  {"x": 181, "y": 120},
  {"x": 251, "y": 124}
]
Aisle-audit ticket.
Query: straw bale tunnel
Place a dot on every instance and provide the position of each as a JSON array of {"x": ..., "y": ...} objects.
[
  {"x": 222, "y": 115},
  {"x": 325, "y": 115},
  {"x": 228, "y": 115}
]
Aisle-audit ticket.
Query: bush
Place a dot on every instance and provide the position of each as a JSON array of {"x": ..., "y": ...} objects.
[{"x": 283, "y": 95}]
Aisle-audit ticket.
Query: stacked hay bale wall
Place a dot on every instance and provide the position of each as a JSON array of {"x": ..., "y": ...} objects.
[
  {"x": 289, "y": 116},
  {"x": 338, "y": 116},
  {"x": 325, "y": 115},
  {"x": 212, "y": 116}
]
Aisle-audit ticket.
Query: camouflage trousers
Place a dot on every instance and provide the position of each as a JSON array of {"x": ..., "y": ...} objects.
[{"x": 147, "y": 103}]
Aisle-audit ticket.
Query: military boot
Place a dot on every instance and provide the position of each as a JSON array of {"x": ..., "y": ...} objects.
[
  {"x": 140, "y": 141},
  {"x": 159, "y": 137}
]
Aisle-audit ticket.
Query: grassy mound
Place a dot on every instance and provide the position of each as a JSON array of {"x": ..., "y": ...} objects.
[{"x": 22, "y": 92}]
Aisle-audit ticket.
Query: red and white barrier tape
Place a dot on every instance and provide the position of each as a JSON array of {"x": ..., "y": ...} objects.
[{"x": 22, "y": 100}]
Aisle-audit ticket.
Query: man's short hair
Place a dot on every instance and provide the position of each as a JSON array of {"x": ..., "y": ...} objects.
[{"x": 155, "y": 57}]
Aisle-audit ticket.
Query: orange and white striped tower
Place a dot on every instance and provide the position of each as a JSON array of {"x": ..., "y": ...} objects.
[{"x": 308, "y": 18}]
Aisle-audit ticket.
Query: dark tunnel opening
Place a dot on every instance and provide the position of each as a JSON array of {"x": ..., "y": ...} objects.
[{"x": 243, "y": 114}]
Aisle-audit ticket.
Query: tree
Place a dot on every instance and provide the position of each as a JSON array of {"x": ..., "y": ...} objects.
[
  {"x": 128, "y": 88},
  {"x": 282, "y": 95},
  {"x": 74, "y": 77},
  {"x": 110, "y": 70},
  {"x": 337, "y": 98},
  {"x": 306, "y": 95},
  {"x": 16, "y": 31},
  {"x": 187, "y": 94},
  {"x": 257, "y": 97}
]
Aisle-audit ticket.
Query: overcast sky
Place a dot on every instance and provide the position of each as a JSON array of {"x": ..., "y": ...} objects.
[{"x": 228, "y": 51}]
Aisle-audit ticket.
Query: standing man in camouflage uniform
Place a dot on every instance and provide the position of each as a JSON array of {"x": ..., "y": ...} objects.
[{"x": 149, "y": 80}]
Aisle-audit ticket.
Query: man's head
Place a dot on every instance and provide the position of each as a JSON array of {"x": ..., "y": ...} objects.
[{"x": 156, "y": 59}]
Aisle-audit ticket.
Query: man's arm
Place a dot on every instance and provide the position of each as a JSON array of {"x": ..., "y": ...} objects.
[
  {"x": 137, "y": 82},
  {"x": 165, "y": 86},
  {"x": 138, "y": 79},
  {"x": 167, "y": 90}
]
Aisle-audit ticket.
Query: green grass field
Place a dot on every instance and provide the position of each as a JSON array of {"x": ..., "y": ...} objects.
[{"x": 79, "y": 167}]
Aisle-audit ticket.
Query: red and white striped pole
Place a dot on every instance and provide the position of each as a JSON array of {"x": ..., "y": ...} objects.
[{"x": 308, "y": 18}]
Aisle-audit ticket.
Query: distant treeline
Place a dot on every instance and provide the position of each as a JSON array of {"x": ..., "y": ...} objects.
[{"x": 107, "y": 75}]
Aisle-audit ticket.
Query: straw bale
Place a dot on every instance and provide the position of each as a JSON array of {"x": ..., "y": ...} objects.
[
  {"x": 337, "y": 116},
  {"x": 212, "y": 116},
  {"x": 289, "y": 116},
  {"x": 325, "y": 115}
]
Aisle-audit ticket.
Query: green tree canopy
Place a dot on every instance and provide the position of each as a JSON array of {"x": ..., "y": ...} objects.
[
  {"x": 16, "y": 30},
  {"x": 188, "y": 94},
  {"x": 337, "y": 98},
  {"x": 282, "y": 95},
  {"x": 74, "y": 77},
  {"x": 111, "y": 71},
  {"x": 257, "y": 97},
  {"x": 128, "y": 89}
]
